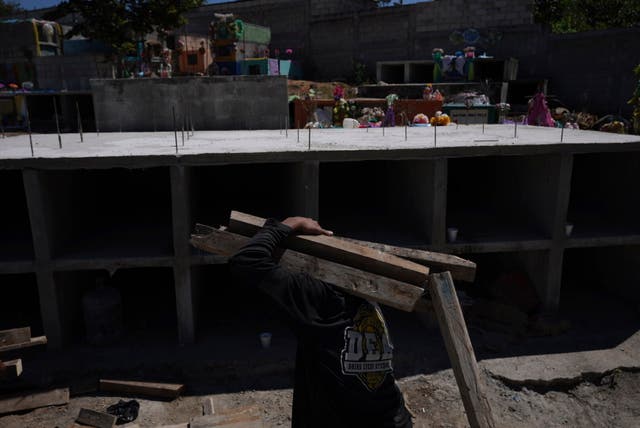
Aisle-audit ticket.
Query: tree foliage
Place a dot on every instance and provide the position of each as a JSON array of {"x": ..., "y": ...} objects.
[
  {"x": 9, "y": 8},
  {"x": 570, "y": 16},
  {"x": 120, "y": 23}
]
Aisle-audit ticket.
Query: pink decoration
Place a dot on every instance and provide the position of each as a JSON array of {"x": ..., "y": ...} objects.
[{"x": 539, "y": 114}]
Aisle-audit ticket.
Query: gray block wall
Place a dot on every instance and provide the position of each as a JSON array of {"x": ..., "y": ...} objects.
[
  {"x": 71, "y": 73},
  {"x": 220, "y": 102}
]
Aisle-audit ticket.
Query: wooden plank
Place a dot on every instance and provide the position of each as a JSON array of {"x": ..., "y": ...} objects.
[
  {"x": 460, "y": 269},
  {"x": 55, "y": 397},
  {"x": 96, "y": 419},
  {"x": 248, "y": 415},
  {"x": 151, "y": 389},
  {"x": 10, "y": 369},
  {"x": 461, "y": 355},
  {"x": 340, "y": 251},
  {"x": 34, "y": 341},
  {"x": 367, "y": 285},
  {"x": 15, "y": 335}
]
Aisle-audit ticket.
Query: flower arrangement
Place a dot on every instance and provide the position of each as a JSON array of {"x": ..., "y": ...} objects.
[
  {"x": 440, "y": 119},
  {"x": 616, "y": 127},
  {"x": 420, "y": 119},
  {"x": 371, "y": 116}
]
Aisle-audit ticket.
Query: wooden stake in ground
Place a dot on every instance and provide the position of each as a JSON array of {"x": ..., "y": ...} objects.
[{"x": 461, "y": 355}]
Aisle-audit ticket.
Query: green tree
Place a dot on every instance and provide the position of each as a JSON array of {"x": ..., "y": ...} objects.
[
  {"x": 120, "y": 23},
  {"x": 8, "y": 8},
  {"x": 570, "y": 16}
]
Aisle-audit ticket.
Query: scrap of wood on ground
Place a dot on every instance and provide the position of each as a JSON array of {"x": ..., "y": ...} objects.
[
  {"x": 389, "y": 275},
  {"x": 92, "y": 418},
  {"x": 55, "y": 397},
  {"x": 147, "y": 389},
  {"x": 10, "y": 369}
]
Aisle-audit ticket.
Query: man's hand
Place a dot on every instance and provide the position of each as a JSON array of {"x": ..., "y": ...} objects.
[{"x": 306, "y": 226}]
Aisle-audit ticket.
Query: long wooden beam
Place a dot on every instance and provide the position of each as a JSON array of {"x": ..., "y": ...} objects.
[
  {"x": 150, "y": 389},
  {"x": 339, "y": 251},
  {"x": 460, "y": 350},
  {"x": 56, "y": 397},
  {"x": 34, "y": 341},
  {"x": 367, "y": 285},
  {"x": 460, "y": 269},
  {"x": 15, "y": 335}
]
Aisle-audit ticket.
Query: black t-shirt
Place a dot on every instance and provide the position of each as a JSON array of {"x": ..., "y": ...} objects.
[{"x": 344, "y": 374}]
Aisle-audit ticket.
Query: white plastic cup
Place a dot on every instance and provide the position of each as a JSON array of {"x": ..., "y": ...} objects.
[
  {"x": 265, "y": 339},
  {"x": 452, "y": 234},
  {"x": 568, "y": 229}
]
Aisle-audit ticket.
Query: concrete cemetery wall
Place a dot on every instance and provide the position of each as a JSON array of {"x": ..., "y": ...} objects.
[{"x": 220, "y": 102}]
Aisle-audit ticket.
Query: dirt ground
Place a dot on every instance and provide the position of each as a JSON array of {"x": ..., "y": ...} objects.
[
  {"x": 229, "y": 365},
  {"x": 433, "y": 399}
]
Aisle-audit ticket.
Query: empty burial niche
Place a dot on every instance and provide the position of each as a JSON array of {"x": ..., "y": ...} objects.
[
  {"x": 233, "y": 312},
  {"x": 392, "y": 73},
  {"x": 20, "y": 303},
  {"x": 266, "y": 190},
  {"x": 111, "y": 213},
  {"x": 16, "y": 243},
  {"x": 509, "y": 278},
  {"x": 382, "y": 201},
  {"x": 600, "y": 293},
  {"x": 420, "y": 72},
  {"x": 489, "y": 69},
  {"x": 500, "y": 198},
  {"x": 604, "y": 197},
  {"x": 131, "y": 306}
]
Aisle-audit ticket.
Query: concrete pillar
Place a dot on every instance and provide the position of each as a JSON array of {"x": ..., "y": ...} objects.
[
  {"x": 550, "y": 295},
  {"x": 437, "y": 176},
  {"x": 181, "y": 214},
  {"x": 306, "y": 189},
  {"x": 40, "y": 215}
]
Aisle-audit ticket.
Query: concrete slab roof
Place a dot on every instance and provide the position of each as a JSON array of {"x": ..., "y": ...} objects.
[{"x": 129, "y": 149}]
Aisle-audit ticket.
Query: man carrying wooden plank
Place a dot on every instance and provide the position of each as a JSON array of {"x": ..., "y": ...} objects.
[{"x": 344, "y": 374}]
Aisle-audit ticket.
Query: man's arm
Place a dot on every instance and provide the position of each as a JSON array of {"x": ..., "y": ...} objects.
[
  {"x": 301, "y": 297},
  {"x": 256, "y": 259}
]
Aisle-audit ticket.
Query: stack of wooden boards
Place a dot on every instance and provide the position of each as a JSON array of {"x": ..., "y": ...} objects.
[
  {"x": 393, "y": 276},
  {"x": 15, "y": 339}
]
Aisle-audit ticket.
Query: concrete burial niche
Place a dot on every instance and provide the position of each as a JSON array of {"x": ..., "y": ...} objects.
[{"x": 201, "y": 103}]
